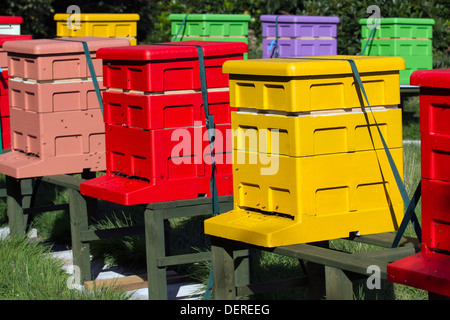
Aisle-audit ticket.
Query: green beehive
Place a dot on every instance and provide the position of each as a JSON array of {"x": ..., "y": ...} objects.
[
  {"x": 224, "y": 25},
  {"x": 210, "y": 27},
  {"x": 409, "y": 38},
  {"x": 405, "y": 28}
]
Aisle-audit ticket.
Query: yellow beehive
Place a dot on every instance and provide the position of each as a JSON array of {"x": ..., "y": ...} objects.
[
  {"x": 317, "y": 132},
  {"x": 313, "y": 198},
  {"x": 117, "y": 25},
  {"x": 308, "y": 162},
  {"x": 312, "y": 83}
]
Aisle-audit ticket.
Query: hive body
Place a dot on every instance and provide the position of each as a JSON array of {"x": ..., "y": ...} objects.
[
  {"x": 56, "y": 119},
  {"x": 309, "y": 165},
  {"x": 156, "y": 136}
]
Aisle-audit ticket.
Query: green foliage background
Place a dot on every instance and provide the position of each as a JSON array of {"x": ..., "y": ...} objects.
[{"x": 154, "y": 25}]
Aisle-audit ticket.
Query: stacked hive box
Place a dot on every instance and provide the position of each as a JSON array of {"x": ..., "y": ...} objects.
[
  {"x": 409, "y": 38},
  {"x": 210, "y": 27},
  {"x": 429, "y": 269},
  {"x": 10, "y": 25},
  {"x": 295, "y": 36},
  {"x": 5, "y": 140},
  {"x": 56, "y": 120},
  {"x": 156, "y": 142},
  {"x": 109, "y": 25},
  {"x": 314, "y": 167}
]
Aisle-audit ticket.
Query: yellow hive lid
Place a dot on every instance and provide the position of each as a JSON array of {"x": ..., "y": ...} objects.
[
  {"x": 99, "y": 16},
  {"x": 315, "y": 65}
]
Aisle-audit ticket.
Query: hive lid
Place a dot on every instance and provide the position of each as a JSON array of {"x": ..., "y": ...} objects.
[
  {"x": 172, "y": 50},
  {"x": 10, "y": 20},
  {"x": 4, "y": 38},
  {"x": 412, "y": 21},
  {"x": 311, "y": 66},
  {"x": 55, "y": 46},
  {"x": 299, "y": 19},
  {"x": 437, "y": 78},
  {"x": 99, "y": 16},
  {"x": 210, "y": 17}
]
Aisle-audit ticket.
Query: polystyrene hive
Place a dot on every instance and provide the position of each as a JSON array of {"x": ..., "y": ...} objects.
[
  {"x": 312, "y": 167},
  {"x": 56, "y": 120},
  {"x": 156, "y": 136}
]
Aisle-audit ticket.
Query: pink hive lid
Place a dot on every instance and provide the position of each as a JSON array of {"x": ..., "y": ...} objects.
[
  {"x": 4, "y": 38},
  {"x": 62, "y": 45},
  {"x": 172, "y": 50},
  {"x": 436, "y": 78},
  {"x": 10, "y": 20}
]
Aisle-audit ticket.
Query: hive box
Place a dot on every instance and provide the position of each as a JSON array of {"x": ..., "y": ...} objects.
[
  {"x": 163, "y": 111},
  {"x": 170, "y": 66},
  {"x": 317, "y": 133},
  {"x": 56, "y": 59},
  {"x": 56, "y": 120},
  {"x": 317, "y": 169},
  {"x": 434, "y": 119},
  {"x": 299, "y": 35},
  {"x": 210, "y": 27},
  {"x": 109, "y": 25},
  {"x": 287, "y": 85},
  {"x": 53, "y": 96},
  {"x": 156, "y": 139},
  {"x": 409, "y": 38},
  {"x": 396, "y": 28},
  {"x": 225, "y": 25},
  {"x": 299, "y": 47},
  {"x": 429, "y": 269},
  {"x": 10, "y": 25}
]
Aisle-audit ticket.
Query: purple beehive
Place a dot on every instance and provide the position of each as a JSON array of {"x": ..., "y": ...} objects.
[{"x": 299, "y": 35}]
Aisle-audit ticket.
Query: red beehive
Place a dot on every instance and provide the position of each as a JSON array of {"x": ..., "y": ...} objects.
[
  {"x": 56, "y": 121},
  {"x": 4, "y": 92},
  {"x": 168, "y": 66},
  {"x": 162, "y": 111},
  {"x": 156, "y": 141},
  {"x": 430, "y": 269}
]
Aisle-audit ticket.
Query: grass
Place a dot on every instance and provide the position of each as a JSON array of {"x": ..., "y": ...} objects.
[{"x": 29, "y": 272}]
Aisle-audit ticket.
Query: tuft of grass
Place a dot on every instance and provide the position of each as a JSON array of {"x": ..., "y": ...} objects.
[{"x": 29, "y": 272}]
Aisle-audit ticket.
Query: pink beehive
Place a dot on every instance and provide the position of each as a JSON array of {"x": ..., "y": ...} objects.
[{"x": 55, "y": 117}]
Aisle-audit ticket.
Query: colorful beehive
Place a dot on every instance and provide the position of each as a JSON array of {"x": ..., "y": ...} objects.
[
  {"x": 308, "y": 160},
  {"x": 10, "y": 25},
  {"x": 109, "y": 25},
  {"x": 409, "y": 38},
  {"x": 5, "y": 140},
  {"x": 156, "y": 141},
  {"x": 295, "y": 36},
  {"x": 429, "y": 269},
  {"x": 210, "y": 27},
  {"x": 55, "y": 116}
]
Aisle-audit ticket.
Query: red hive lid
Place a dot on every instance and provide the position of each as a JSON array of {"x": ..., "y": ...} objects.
[
  {"x": 437, "y": 78},
  {"x": 4, "y": 38},
  {"x": 172, "y": 50},
  {"x": 10, "y": 20}
]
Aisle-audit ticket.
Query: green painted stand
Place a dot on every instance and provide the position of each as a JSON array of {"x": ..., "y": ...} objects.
[{"x": 329, "y": 272}]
